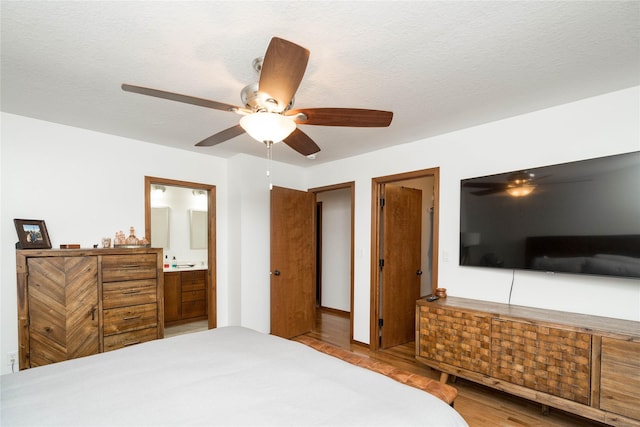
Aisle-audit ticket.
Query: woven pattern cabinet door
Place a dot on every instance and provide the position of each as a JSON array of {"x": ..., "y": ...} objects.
[
  {"x": 63, "y": 307},
  {"x": 455, "y": 337},
  {"x": 547, "y": 359}
]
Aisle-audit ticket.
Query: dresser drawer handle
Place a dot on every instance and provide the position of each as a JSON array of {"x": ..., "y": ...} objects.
[
  {"x": 131, "y": 291},
  {"x": 132, "y": 317},
  {"x": 131, "y": 343}
]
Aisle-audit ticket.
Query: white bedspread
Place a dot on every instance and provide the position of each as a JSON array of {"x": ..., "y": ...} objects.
[{"x": 224, "y": 376}]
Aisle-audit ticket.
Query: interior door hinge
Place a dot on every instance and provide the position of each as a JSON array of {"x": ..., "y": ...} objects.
[
  {"x": 381, "y": 263},
  {"x": 382, "y": 202},
  {"x": 380, "y": 323}
]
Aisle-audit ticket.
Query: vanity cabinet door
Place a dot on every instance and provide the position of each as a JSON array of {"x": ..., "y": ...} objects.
[{"x": 172, "y": 297}]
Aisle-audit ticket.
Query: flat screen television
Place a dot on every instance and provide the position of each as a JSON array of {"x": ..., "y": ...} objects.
[{"x": 581, "y": 217}]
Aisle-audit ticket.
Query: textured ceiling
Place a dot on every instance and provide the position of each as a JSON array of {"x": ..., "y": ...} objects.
[{"x": 439, "y": 66}]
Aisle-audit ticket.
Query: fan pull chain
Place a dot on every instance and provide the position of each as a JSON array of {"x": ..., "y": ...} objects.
[{"x": 269, "y": 144}]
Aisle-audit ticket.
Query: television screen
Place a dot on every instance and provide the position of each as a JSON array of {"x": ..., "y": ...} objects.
[{"x": 581, "y": 217}]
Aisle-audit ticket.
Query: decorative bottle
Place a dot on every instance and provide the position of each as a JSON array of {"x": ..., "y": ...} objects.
[{"x": 132, "y": 239}]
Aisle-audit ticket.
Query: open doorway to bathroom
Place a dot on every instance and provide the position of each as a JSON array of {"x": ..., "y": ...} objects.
[{"x": 180, "y": 217}]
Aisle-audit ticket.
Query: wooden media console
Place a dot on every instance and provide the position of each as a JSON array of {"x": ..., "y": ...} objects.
[{"x": 586, "y": 365}]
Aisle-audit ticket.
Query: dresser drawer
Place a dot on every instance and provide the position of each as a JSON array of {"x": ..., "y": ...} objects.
[
  {"x": 123, "y": 319},
  {"x": 114, "y": 342},
  {"x": 118, "y": 268},
  {"x": 193, "y": 275},
  {"x": 189, "y": 287},
  {"x": 193, "y": 296},
  {"x": 194, "y": 309},
  {"x": 134, "y": 292},
  {"x": 193, "y": 280}
]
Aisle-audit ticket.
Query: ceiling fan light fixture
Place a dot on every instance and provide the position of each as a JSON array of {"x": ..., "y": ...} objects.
[
  {"x": 264, "y": 126},
  {"x": 520, "y": 190}
]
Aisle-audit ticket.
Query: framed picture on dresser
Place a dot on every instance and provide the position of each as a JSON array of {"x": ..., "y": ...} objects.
[{"x": 32, "y": 234}]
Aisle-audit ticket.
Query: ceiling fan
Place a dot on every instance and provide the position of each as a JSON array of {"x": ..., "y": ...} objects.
[
  {"x": 518, "y": 184},
  {"x": 267, "y": 113}
]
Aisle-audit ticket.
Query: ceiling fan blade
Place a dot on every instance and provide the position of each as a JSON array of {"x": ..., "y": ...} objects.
[
  {"x": 489, "y": 191},
  {"x": 223, "y": 136},
  {"x": 354, "y": 117},
  {"x": 485, "y": 184},
  {"x": 538, "y": 178},
  {"x": 283, "y": 67},
  {"x": 180, "y": 98},
  {"x": 301, "y": 142}
]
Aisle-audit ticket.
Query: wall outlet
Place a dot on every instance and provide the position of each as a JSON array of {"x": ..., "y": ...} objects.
[{"x": 12, "y": 358}]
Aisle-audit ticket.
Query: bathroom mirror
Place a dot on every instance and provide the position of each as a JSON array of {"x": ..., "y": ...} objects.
[
  {"x": 179, "y": 222},
  {"x": 198, "y": 229},
  {"x": 160, "y": 227}
]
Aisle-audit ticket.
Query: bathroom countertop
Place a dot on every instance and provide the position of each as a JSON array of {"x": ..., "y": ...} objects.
[{"x": 187, "y": 267}]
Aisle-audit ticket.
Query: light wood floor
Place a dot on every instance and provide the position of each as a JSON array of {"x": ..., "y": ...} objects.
[
  {"x": 480, "y": 406},
  {"x": 185, "y": 328}
]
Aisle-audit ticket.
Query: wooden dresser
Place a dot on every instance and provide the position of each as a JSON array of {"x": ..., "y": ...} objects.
[
  {"x": 185, "y": 296},
  {"x": 586, "y": 365},
  {"x": 78, "y": 302}
]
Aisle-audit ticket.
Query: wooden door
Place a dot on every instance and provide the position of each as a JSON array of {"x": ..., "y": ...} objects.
[
  {"x": 292, "y": 262},
  {"x": 63, "y": 308},
  {"x": 400, "y": 277}
]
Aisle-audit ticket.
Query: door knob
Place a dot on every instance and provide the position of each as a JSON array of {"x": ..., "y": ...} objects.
[
  {"x": 419, "y": 272},
  {"x": 277, "y": 272}
]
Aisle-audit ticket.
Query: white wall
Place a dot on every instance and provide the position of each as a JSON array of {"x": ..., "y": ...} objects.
[
  {"x": 594, "y": 127},
  {"x": 336, "y": 248},
  {"x": 86, "y": 185},
  {"x": 249, "y": 212}
]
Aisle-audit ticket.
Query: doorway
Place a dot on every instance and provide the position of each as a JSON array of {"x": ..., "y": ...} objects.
[
  {"x": 335, "y": 243},
  {"x": 208, "y": 191},
  {"x": 427, "y": 181}
]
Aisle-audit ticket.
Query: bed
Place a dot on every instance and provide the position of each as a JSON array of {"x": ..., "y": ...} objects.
[
  {"x": 223, "y": 376},
  {"x": 613, "y": 255}
]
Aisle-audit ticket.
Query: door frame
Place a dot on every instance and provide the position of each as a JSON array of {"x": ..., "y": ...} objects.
[
  {"x": 377, "y": 185},
  {"x": 212, "y": 312},
  {"x": 351, "y": 185}
]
